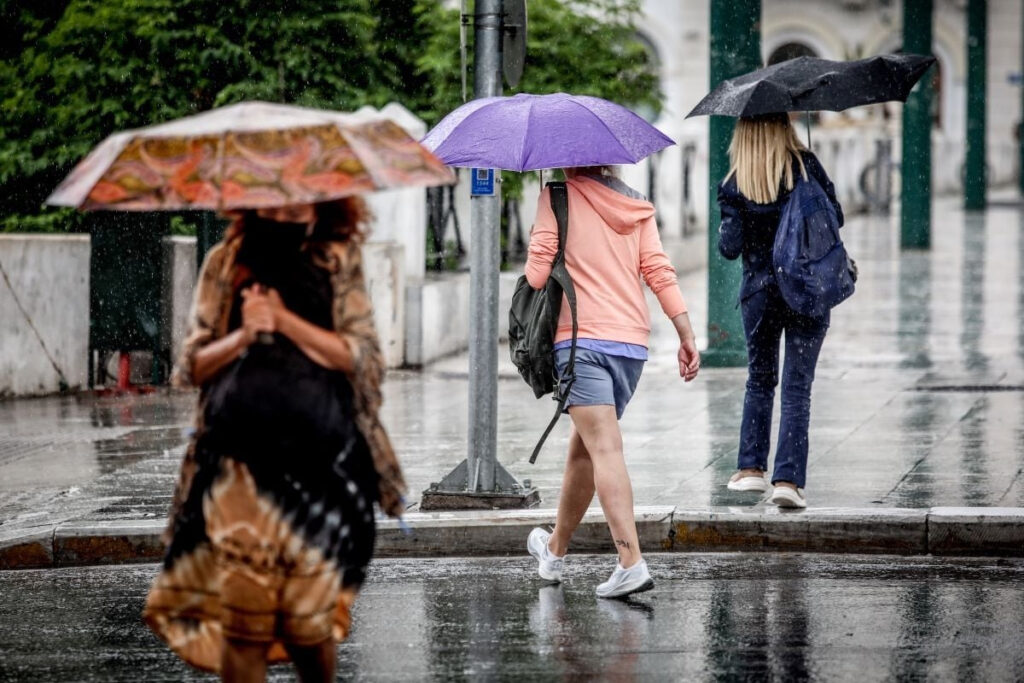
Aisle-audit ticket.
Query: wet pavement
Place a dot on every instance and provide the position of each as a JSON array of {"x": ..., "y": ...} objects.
[
  {"x": 919, "y": 402},
  {"x": 711, "y": 617}
]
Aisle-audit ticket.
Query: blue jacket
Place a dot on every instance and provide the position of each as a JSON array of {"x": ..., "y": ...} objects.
[{"x": 748, "y": 228}]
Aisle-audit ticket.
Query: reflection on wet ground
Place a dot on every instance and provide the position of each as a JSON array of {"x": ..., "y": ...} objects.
[
  {"x": 919, "y": 402},
  {"x": 711, "y": 617}
]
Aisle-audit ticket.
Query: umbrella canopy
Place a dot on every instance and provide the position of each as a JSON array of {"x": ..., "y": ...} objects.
[
  {"x": 247, "y": 156},
  {"x": 532, "y": 132},
  {"x": 812, "y": 84}
]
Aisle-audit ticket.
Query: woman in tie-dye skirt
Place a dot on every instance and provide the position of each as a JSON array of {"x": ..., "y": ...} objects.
[{"x": 273, "y": 524}]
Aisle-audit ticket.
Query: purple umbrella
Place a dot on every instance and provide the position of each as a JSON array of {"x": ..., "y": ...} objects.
[{"x": 533, "y": 132}]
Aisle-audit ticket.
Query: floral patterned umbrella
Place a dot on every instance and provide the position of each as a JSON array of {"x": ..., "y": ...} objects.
[{"x": 248, "y": 156}]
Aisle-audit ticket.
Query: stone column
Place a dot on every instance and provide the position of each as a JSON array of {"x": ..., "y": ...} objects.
[
  {"x": 916, "y": 214},
  {"x": 975, "y": 179},
  {"x": 735, "y": 50}
]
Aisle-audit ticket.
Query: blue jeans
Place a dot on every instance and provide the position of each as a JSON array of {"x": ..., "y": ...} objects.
[{"x": 765, "y": 317}]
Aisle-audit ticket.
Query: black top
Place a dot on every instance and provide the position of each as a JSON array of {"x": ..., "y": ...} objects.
[
  {"x": 275, "y": 398},
  {"x": 749, "y": 228}
]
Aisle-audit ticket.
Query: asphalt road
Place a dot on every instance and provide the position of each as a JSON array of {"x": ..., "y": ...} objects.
[{"x": 713, "y": 617}]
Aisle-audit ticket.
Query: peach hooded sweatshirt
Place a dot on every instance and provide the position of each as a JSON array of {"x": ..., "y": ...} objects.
[{"x": 612, "y": 244}]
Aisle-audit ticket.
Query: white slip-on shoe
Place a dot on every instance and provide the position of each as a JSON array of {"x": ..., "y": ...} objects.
[
  {"x": 549, "y": 565},
  {"x": 785, "y": 497},
  {"x": 747, "y": 482},
  {"x": 625, "y": 582}
]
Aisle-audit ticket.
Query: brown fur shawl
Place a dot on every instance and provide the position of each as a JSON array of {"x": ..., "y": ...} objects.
[{"x": 353, "y": 318}]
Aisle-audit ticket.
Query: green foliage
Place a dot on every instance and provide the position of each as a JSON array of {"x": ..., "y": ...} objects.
[
  {"x": 179, "y": 225},
  {"x": 73, "y": 72},
  {"x": 105, "y": 65},
  {"x": 585, "y": 47}
]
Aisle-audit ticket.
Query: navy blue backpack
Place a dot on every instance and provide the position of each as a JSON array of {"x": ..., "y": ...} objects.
[{"x": 812, "y": 269}]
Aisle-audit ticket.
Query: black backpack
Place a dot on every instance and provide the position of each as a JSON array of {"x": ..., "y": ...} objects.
[{"x": 533, "y": 320}]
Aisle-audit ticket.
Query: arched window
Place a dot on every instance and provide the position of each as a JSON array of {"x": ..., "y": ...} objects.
[
  {"x": 788, "y": 51},
  {"x": 792, "y": 50}
]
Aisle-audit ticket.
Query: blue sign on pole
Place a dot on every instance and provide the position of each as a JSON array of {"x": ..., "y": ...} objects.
[{"x": 483, "y": 182}]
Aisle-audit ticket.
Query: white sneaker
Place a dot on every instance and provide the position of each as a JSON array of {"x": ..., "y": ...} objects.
[
  {"x": 625, "y": 582},
  {"x": 549, "y": 565},
  {"x": 785, "y": 497},
  {"x": 747, "y": 482}
]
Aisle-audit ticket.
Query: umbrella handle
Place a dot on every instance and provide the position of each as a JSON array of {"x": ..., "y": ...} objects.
[
  {"x": 807, "y": 120},
  {"x": 263, "y": 338}
]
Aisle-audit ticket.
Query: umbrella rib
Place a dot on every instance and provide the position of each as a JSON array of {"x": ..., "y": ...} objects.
[
  {"x": 526, "y": 136},
  {"x": 610, "y": 132},
  {"x": 356, "y": 146}
]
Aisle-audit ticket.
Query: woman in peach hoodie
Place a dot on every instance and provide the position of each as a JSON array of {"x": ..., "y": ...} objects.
[{"x": 612, "y": 248}]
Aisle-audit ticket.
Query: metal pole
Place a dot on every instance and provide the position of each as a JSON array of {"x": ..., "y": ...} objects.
[
  {"x": 485, "y": 262},
  {"x": 462, "y": 44},
  {"x": 1020, "y": 127},
  {"x": 480, "y": 482},
  {"x": 974, "y": 166},
  {"x": 735, "y": 50},
  {"x": 916, "y": 167}
]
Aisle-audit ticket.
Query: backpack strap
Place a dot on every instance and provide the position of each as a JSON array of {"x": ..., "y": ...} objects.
[{"x": 560, "y": 274}]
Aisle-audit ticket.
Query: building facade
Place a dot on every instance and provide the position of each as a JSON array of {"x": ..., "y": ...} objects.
[{"x": 848, "y": 143}]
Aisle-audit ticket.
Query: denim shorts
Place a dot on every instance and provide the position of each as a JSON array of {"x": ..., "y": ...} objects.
[{"x": 601, "y": 380}]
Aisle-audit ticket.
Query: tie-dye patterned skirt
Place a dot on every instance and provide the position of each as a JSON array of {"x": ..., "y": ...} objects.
[{"x": 269, "y": 547}]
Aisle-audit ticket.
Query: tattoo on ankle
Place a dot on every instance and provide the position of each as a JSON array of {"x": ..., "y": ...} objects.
[{"x": 622, "y": 544}]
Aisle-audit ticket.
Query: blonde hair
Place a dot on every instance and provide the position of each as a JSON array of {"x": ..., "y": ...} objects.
[{"x": 761, "y": 156}]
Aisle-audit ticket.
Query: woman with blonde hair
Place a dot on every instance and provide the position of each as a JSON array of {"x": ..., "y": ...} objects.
[
  {"x": 766, "y": 159},
  {"x": 612, "y": 248},
  {"x": 272, "y": 525}
]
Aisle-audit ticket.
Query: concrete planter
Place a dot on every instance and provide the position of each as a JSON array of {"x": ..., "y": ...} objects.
[{"x": 47, "y": 278}]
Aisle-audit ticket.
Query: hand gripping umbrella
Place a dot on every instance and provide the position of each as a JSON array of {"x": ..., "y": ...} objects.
[{"x": 534, "y": 132}]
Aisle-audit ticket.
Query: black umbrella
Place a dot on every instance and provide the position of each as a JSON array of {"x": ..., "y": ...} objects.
[{"x": 812, "y": 84}]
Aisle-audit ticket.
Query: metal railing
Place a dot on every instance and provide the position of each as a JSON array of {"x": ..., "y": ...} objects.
[
  {"x": 513, "y": 244},
  {"x": 445, "y": 250}
]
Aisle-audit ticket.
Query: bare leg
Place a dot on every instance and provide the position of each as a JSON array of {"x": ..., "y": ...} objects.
[
  {"x": 243, "y": 662},
  {"x": 315, "y": 663},
  {"x": 598, "y": 426},
  {"x": 577, "y": 492}
]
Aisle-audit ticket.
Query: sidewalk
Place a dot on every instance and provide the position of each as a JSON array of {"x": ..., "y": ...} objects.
[{"x": 917, "y": 413}]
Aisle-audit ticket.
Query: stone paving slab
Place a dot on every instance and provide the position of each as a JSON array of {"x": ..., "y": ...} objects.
[
  {"x": 885, "y": 530},
  {"x": 30, "y": 550},
  {"x": 434, "y": 534},
  {"x": 939, "y": 531},
  {"x": 976, "y": 531},
  {"x": 111, "y": 542}
]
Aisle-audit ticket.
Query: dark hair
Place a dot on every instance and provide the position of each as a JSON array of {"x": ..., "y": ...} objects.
[
  {"x": 342, "y": 220},
  {"x": 339, "y": 220},
  {"x": 606, "y": 170}
]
